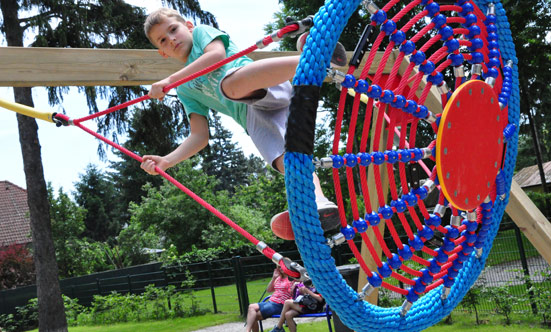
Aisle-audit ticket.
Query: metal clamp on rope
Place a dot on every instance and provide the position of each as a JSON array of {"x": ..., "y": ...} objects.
[
  {"x": 336, "y": 76},
  {"x": 303, "y": 25},
  {"x": 325, "y": 162},
  {"x": 366, "y": 291},
  {"x": 61, "y": 120},
  {"x": 336, "y": 240},
  {"x": 296, "y": 267},
  {"x": 405, "y": 308}
]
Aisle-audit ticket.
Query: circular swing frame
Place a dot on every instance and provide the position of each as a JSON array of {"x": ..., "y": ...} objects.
[{"x": 357, "y": 314}]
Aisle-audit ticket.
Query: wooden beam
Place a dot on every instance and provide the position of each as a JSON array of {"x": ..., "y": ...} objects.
[
  {"x": 530, "y": 220},
  {"x": 47, "y": 66},
  {"x": 44, "y": 66}
]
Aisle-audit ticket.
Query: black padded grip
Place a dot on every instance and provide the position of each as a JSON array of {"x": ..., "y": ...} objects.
[
  {"x": 362, "y": 46},
  {"x": 301, "y": 123}
]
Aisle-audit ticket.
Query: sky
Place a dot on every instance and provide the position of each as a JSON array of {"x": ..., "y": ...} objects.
[{"x": 66, "y": 151}]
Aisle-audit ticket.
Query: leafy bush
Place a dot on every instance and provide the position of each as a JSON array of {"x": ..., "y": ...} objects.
[
  {"x": 72, "y": 310},
  {"x": 388, "y": 299},
  {"x": 542, "y": 296},
  {"x": 154, "y": 304},
  {"x": 472, "y": 299},
  {"x": 503, "y": 301},
  {"x": 25, "y": 318},
  {"x": 16, "y": 267}
]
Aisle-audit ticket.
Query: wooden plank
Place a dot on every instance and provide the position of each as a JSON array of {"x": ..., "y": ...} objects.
[
  {"x": 374, "y": 199},
  {"x": 530, "y": 220},
  {"x": 34, "y": 66},
  {"x": 46, "y": 66}
]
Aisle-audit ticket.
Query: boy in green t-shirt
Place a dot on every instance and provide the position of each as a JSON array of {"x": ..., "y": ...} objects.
[{"x": 255, "y": 94}]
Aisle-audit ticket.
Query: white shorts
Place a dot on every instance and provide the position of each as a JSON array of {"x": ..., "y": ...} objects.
[{"x": 267, "y": 119}]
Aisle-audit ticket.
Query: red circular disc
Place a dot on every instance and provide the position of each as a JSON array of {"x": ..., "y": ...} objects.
[{"x": 469, "y": 145}]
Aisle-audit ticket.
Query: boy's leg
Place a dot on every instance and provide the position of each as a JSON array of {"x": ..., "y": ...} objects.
[
  {"x": 279, "y": 165},
  {"x": 289, "y": 318},
  {"x": 328, "y": 211},
  {"x": 258, "y": 75},
  {"x": 286, "y": 306}
]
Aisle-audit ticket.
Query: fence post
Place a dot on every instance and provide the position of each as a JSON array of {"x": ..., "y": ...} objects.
[
  {"x": 211, "y": 282},
  {"x": 241, "y": 284},
  {"x": 525, "y": 269},
  {"x": 235, "y": 262},
  {"x": 244, "y": 291},
  {"x": 129, "y": 284},
  {"x": 99, "y": 286}
]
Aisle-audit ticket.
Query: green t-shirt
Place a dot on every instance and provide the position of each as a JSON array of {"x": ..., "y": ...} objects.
[{"x": 203, "y": 93}]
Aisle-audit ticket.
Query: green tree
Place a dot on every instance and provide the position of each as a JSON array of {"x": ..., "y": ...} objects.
[
  {"x": 75, "y": 254},
  {"x": 530, "y": 22},
  {"x": 152, "y": 130},
  {"x": 96, "y": 193},
  {"x": 184, "y": 224},
  {"x": 223, "y": 159},
  {"x": 175, "y": 216},
  {"x": 62, "y": 23},
  {"x": 133, "y": 241},
  {"x": 265, "y": 193}
]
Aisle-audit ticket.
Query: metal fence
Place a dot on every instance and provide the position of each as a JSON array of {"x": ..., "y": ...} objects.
[{"x": 229, "y": 285}]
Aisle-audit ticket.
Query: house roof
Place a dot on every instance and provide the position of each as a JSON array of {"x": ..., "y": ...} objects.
[
  {"x": 15, "y": 224},
  {"x": 530, "y": 176}
]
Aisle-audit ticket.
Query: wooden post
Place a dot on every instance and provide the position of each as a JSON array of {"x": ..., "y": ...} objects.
[
  {"x": 366, "y": 255},
  {"x": 530, "y": 220}
]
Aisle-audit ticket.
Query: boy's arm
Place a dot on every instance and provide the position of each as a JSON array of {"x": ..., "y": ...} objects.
[
  {"x": 195, "y": 142},
  {"x": 213, "y": 53}
]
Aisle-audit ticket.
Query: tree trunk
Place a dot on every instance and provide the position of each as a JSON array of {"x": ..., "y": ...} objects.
[{"x": 51, "y": 312}]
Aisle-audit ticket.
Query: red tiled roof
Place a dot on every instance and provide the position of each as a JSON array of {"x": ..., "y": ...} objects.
[
  {"x": 15, "y": 224},
  {"x": 530, "y": 176}
]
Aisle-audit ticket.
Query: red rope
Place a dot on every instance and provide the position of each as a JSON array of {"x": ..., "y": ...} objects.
[
  {"x": 406, "y": 85},
  {"x": 268, "y": 252}
]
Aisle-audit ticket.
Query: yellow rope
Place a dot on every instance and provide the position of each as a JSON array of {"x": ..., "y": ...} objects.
[{"x": 26, "y": 110}]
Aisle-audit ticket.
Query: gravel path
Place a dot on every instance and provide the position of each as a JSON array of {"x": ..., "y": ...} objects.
[
  {"x": 511, "y": 272},
  {"x": 268, "y": 324}
]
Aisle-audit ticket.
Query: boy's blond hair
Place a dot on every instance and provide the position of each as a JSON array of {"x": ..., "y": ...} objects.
[{"x": 157, "y": 17}]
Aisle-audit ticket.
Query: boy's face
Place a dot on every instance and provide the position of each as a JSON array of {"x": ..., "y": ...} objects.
[{"x": 173, "y": 38}]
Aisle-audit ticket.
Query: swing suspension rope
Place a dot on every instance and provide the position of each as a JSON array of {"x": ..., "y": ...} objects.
[{"x": 434, "y": 254}]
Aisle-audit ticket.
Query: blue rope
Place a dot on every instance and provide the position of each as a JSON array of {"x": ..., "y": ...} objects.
[{"x": 361, "y": 315}]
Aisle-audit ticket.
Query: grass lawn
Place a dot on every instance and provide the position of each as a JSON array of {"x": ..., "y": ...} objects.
[
  {"x": 226, "y": 296},
  {"x": 171, "y": 325},
  {"x": 461, "y": 322}
]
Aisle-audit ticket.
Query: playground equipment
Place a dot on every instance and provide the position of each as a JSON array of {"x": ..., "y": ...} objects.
[{"x": 473, "y": 196}]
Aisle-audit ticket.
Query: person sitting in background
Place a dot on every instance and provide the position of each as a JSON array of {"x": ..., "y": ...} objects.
[
  {"x": 282, "y": 289},
  {"x": 306, "y": 301}
]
